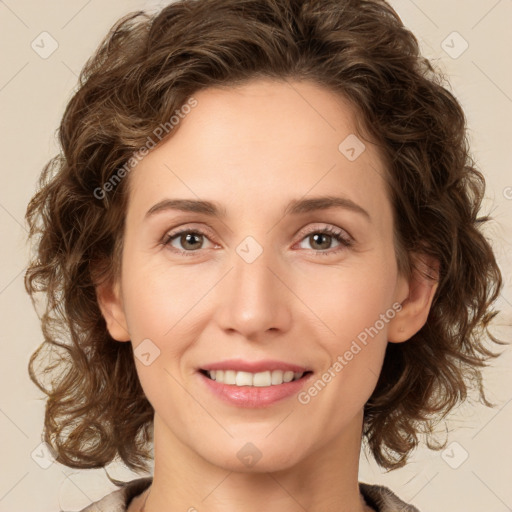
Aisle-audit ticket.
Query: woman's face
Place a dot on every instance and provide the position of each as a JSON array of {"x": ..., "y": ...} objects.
[{"x": 251, "y": 287}]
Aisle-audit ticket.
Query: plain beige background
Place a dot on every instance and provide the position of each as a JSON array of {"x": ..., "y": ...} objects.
[{"x": 474, "y": 473}]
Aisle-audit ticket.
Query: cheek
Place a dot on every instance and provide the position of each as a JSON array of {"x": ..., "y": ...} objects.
[
  {"x": 156, "y": 307},
  {"x": 349, "y": 298},
  {"x": 156, "y": 295},
  {"x": 354, "y": 306},
  {"x": 162, "y": 304}
]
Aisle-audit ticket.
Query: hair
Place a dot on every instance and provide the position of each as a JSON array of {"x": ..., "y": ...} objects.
[{"x": 143, "y": 71}]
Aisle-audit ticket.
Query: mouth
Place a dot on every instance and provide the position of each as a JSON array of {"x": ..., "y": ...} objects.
[
  {"x": 259, "y": 379},
  {"x": 253, "y": 384}
]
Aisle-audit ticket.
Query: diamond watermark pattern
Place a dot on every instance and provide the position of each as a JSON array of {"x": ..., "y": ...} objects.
[
  {"x": 454, "y": 455},
  {"x": 42, "y": 456},
  {"x": 249, "y": 249},
  {"x": 454, "y": 45},
  {"x": 147, "y": 352},
  {"x": 44, "y": 45},
  {"x": 249, "y": 455},
  {"x": 352, "y": 147}
]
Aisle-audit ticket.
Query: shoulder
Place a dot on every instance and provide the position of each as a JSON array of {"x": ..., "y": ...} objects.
[
  {"x": 383, "y": 499},
  {"x": 118, "y": 500}
]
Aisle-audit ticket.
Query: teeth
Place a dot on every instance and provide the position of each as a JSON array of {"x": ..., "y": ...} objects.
[
  {"x": 288, "y": 376},
  {"x": 261, "y": 379},
  {"x": 229, "y": 377}
]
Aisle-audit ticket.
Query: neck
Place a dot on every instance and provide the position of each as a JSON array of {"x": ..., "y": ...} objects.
[{"x": 326, "y": 480}]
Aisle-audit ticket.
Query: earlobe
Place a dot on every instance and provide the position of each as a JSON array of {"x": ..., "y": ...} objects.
[
  {"x": 111, "y": 306},
  {"x": 416, "y": 306}
]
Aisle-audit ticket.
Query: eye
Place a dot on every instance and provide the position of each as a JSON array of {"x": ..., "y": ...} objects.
[
  {"x": 191, "y": 240},
  {"x": 322, "y": 239}
]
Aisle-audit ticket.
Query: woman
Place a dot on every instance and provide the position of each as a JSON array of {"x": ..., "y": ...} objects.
[{"x": 260, "y": 246}]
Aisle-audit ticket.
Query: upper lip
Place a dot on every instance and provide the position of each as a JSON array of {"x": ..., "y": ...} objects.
[{"x": 254, "y": 366}]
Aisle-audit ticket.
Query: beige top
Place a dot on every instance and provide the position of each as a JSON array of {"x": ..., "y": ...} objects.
[{"x": 376, "y": 496}]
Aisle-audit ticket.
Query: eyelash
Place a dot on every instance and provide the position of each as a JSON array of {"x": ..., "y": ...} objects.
[{"x": 336, "y": 234}]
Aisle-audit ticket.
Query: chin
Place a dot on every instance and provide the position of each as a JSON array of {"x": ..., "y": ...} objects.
[{"x": 256, "y": 457}]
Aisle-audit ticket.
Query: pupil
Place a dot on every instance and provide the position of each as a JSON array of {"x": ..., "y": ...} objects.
[
  {"x": 188, "y": 237},
  {"x": 315, "y": 238}
]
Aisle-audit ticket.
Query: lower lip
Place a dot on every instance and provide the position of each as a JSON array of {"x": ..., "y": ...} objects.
[{"x": 253, "y": 396}]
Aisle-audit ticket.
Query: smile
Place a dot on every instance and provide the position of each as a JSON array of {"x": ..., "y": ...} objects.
[
  {"x": 259, "y": 379},
  {"x": 256, "y": 389}
]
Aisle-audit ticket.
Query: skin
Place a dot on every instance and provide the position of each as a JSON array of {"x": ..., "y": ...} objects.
[{"x": 253, "y": 149}]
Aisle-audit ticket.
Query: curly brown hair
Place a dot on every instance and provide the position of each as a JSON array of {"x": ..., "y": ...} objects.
[{"x": 146, "y": 69}]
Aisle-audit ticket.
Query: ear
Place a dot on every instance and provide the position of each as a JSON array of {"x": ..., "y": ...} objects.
[
  {"x": 419, "y": 293},
  {"x": 111, "y": 306}
]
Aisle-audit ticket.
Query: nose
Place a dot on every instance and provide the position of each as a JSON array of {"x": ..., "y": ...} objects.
[{"x": 254, "y": 299}]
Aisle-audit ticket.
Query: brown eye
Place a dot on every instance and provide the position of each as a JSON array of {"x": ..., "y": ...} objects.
[
  {"x": 185, "y": 241},
  {"x": 321, "y": 240},
  {"x": 190, "y": 241}
]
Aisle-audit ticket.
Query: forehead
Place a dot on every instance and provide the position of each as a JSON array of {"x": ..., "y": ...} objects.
[{"x": 260, "y": 143}]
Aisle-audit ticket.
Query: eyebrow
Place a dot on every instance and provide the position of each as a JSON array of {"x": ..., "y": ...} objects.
[{"x": 294, "y": 207}]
